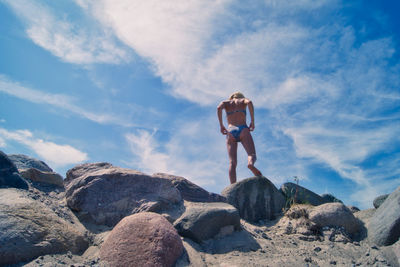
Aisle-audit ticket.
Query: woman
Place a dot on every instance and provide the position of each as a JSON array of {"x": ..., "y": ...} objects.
[{"x": 238, "y": 131}]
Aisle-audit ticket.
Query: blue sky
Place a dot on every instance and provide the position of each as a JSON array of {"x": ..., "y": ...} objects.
[{"x": 136, "y": 84}]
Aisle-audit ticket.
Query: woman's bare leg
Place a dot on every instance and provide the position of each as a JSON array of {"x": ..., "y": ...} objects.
[
  {"x": 248, "y": 144},
  {"x": 232, "y": 153}
]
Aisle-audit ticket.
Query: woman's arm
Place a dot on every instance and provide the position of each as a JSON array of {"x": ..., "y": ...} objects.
[
  {"x": 220, "y": 107},
  {"x": 251, "y": 110}
]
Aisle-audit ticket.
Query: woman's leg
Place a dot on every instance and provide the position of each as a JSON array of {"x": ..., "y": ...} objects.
[
  {"x": 232, "y": 153},
  {"x": 248, "y": 144}
]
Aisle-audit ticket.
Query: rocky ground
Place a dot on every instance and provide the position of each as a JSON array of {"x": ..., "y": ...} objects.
[
  {"x": 72, "y": 224},
  {"x": 262, "y": 244}
]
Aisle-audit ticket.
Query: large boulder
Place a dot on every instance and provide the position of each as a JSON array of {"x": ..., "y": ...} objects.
[
  {"x": 202, "y": 221},
  {"x": 30, "y": 228},
  {"x": 42, "y": 176},
  {"x": 143, "y": 239},
  {"x": 379, "y": 200},
  {"x": 329, "y": 198},
  {"x": 336, "y": 215},
  {"x": 384, "y": 226},
  {"x": 392, "y": 253},
  {"x": 256, "y": 198},
  {"x": 190, "y": 191},
  {"x": 104, "y": 194},
  {"x": 25, "y": 162},
  {"x": 9, "y": 176},
  {"x": 295, "y": 193}
]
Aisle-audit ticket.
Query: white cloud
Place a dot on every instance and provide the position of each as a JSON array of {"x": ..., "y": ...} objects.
[
  {"x": 74, "y": 43},
  {"x": 59, "y": 101},
  {"x": 207, "y": 49},
  {"x": 329, "y": 90},
  {"x": 344, "y": 150},
  {"x": 52, "y": 153},
  {"x": 194, "y": 150}
]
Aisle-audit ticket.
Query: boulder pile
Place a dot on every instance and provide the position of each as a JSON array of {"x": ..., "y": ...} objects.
[{"x": 110, "y": 216}]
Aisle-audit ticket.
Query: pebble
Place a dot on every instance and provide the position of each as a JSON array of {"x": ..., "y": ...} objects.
[
  {"x": 308, "y": 259},
  {"x": 317, "y": 249},
  {"x": 332, "y": 262},
  {"x": 264, "y": 235}
]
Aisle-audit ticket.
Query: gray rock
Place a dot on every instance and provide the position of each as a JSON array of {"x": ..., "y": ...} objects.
[
  {"x": 379, "y": 200},
  {"x": 336, "y": 215},
  {"x": 202, "y": 221},
  {"x": 104, "y": 194},
  {"x": 297, "y": 194},
  {"x": 42, "y": 176},
  {"x": 384, "y": 226},
  {"x": 392, "y": 254},
  {"x": 353, "y": 209},
  {"x": 256, "y": 198},
  {"x": 30, "y": 228},
  {"x": 365, "y": 215},
  {"x": 25, "y": 162},
  {"x": 329, "y": 198},
  {"x": 190, "y": 191},
  {"x": 9, "y": 176}
]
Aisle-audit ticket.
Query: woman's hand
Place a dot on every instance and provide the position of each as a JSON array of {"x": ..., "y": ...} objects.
[
  {"x": 251, "y": 127},
  {"x": 224, "y": 131}
]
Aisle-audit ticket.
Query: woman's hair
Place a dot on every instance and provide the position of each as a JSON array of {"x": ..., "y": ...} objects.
[{"x": 236, "y": 95}]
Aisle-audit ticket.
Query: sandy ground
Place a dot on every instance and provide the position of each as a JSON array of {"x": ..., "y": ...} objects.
[{"x": 263, "y": 244}]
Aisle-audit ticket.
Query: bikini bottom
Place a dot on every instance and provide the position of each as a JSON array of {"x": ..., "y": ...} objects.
[{"x": 236, "y": 130}]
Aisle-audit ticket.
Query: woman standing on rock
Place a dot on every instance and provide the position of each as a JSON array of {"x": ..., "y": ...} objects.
[{"x": 238, "y": 131}]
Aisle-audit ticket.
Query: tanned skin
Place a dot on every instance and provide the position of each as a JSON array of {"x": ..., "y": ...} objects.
[{"x": 237, "y": 119}]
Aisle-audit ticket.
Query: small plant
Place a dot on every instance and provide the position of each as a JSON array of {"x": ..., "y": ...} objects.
[{"x": 291, "y": 197}]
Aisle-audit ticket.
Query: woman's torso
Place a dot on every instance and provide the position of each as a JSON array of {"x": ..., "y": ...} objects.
[{"x": 236, "y": 111}]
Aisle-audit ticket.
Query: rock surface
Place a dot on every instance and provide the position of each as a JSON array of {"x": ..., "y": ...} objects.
[
  {"x": 353, "y": 209},
  {"x": 25, "y": 162},
  {"x": 202, "y": 221},
  {"x": 30, "y": 228},
  {"x": 337, "y": 215},
  {"x": 300, "y": 195},
  {"x": 9, "y": 176},
  {"x": 104, "y": 194},
  {"x": 379, "y": 200},
  {"x": 384, "y": 226},
  {"x": 144, "y": 239},
  {"x": 190, "y": 191},
  {"x": 42, "y": 176},
  {"x": 256, "y": 198},
  {"x": 329, "y": 198}
]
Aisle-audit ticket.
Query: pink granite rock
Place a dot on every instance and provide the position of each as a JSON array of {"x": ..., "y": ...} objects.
[{"x": 143, "y": 239}]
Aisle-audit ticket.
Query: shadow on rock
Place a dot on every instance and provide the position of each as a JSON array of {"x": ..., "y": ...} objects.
[{"x": 241, "y": 241}]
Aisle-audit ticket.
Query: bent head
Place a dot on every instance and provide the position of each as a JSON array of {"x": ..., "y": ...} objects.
[{"x": 236, "y": 95}]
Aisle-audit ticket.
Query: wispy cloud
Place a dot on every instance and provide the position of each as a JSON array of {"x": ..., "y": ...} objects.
[
  {"x": 72, "y": 42},
  {"x": 60, "y": 101},
  {"x": 55, "y": 154},
  {"x": 324, "y": 86},
  {"x": 329, "y": 93},
  {"x": 193, "y": 150},
  {"x": 345, "y": 150}
]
